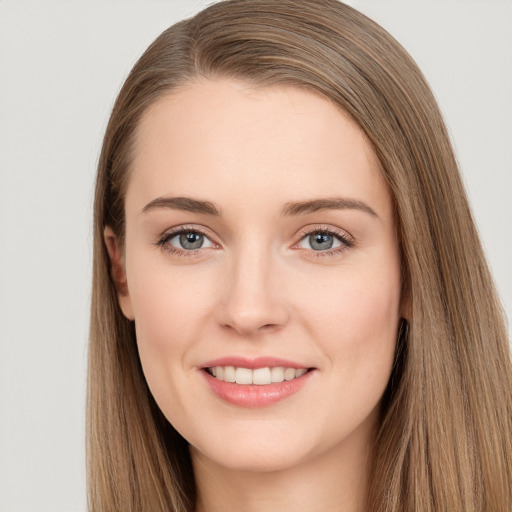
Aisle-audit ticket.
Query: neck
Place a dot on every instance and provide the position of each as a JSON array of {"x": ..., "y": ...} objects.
[{"x": 332, "y": 481}]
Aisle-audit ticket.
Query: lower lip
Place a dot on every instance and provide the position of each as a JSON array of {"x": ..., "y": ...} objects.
[{"x": 254, "y": 395}]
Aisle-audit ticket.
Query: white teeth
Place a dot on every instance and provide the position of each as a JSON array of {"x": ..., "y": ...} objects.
[
  {"x": 277, "y": 374},
  {"x": 243, "y": 376},
  {"x": 260, "y": 376},
  {"x": 289, "y": 374},
  {"x": 229, "y": 373}
]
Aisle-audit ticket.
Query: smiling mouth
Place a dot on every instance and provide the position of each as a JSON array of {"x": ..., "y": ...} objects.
[{"x": 258, "y": 376}]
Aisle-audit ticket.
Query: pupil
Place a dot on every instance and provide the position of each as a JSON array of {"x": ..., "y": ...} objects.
[
  {"x": 191, "y": 240},
  {"x": 321, "y": 241}
]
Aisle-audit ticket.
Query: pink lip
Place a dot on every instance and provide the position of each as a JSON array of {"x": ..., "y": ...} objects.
[
  {"x": 259, "y": 362},
  {"x": 254, "y": 395}
]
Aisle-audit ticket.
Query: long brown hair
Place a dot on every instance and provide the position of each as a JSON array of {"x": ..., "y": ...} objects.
[{"x": 445, "y": 439}]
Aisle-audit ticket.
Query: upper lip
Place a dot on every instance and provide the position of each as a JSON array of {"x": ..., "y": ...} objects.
[{"x": 259, "y": 362}]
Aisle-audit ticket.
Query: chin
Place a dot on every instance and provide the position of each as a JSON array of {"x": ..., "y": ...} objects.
[{"x": 254, "y": 458}]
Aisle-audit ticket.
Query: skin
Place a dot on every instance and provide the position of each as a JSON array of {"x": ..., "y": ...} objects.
[{"x": 257, "y": 287}]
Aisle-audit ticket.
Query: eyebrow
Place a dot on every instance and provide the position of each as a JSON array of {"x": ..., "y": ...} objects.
[
  {"x": 183, "y": 203},
  {"x": 290, "y": 209},
  {"x": 335, "y": 203}
]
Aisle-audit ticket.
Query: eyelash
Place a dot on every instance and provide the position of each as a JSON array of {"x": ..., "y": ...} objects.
[
  {"x": 162, "y": 242},
  {"x": 346, "y": 241}
]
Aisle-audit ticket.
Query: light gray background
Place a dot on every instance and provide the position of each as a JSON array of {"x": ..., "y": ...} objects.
[{"x": 61, "y": 65}]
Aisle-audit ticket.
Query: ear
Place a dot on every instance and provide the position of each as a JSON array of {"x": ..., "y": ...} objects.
[{"x": 118, "y": 271}]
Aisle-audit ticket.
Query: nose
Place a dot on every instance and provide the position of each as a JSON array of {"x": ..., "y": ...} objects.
[{"x": 253, "y": 298}]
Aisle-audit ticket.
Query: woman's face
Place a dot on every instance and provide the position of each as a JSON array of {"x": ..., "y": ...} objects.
[{"x": 261, "y": 247}]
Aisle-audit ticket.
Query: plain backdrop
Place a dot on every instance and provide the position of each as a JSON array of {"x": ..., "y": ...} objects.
[{"x": 61, "y": 65}]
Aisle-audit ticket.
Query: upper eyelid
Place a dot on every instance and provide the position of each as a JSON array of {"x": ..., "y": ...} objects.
[
  {"x": 319, "y": 228},
  {"x": 176, "y": 230}
]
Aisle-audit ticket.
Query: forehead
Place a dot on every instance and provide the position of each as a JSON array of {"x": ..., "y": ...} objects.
[{"x": 219, "y": 136}]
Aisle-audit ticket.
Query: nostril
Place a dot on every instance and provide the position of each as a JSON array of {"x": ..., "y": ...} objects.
[
  {"x": 251, "y": 304},
  {"x": 248, "y": 326}
]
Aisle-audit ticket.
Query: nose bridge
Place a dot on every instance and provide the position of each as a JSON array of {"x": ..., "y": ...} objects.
[{"x": 252, "y": 300}]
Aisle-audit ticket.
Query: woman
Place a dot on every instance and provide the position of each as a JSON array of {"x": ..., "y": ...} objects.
[{"x": 291, "y": 307}]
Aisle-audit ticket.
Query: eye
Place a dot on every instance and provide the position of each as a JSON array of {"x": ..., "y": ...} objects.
[
  {"x": 319, "y": 241},
  {"x": 184, "y": 240},
  {"x": 324, "y": 241},
  {"x": 190, "y": 240}
]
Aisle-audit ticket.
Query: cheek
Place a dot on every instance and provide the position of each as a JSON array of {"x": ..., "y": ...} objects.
[
  {"x": 356, "y": 322},
  {"x": 355, "y": 325},
  {"x": 165, "y": 298},
  {"x": 355, "y": 303},
  {"x": 169, "y": 305}
]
